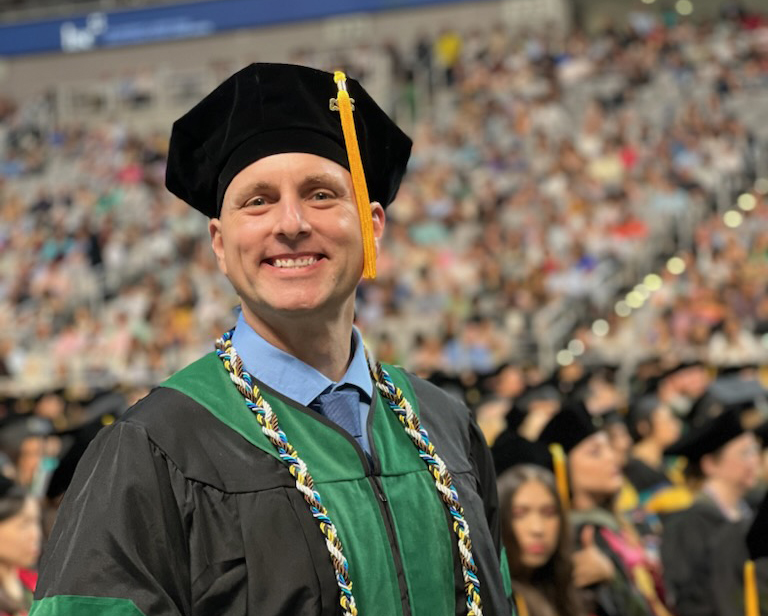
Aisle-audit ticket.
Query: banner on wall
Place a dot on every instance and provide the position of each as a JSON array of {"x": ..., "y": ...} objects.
[{"x": 177, "y": 21}]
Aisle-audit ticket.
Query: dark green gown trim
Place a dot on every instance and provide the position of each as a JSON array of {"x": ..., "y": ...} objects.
[{"x": 66, "y": 605}]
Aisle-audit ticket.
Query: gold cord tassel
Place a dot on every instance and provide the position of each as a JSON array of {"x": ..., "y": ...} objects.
[
  {"x": 751, "y": 601},
  {"x": 344, "y": 104},
  {"x": 522, "y": 606},
  {"x": 561, "y": 474}
]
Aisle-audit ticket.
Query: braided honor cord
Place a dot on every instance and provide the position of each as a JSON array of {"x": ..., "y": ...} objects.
[
  {"x": 297, "y": 467},
  {"x": 443, "y": 481}
]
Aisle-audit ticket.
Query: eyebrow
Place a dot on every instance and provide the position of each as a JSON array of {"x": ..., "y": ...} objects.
[
  {"x": 251, "y": 189},
  {"x": 324, "y": 179}
]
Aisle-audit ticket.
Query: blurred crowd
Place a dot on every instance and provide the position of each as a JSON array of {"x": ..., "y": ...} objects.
[{"x": 584, "y": 221}]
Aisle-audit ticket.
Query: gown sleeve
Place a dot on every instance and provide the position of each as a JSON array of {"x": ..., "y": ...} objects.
[
  {"x": 119, "y": 547},
  {"x": 484, "y": 470}
]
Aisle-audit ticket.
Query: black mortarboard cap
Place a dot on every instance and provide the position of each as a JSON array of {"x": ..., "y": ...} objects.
[
  {"x": 709, "y": 437},
  {"x": 511, "y": 449},
  {"x": 542, "y": 391},
  {"x": 733, "y": 390},
  {"x": 15, "y": 428},
  {"x": 267, "y": 109},
  {"x": 570, "y": 426}
]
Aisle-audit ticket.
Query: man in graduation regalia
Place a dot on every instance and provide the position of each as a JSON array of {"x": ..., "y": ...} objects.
[
  {"x": 285, "y": 473},
  {"x": 724, "y": 454}
]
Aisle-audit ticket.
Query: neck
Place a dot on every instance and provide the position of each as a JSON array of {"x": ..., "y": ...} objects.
[
  {"x": 583, "y": 501},
  {"x": 727, "y": 496},
  {"x": 9, "y": 581},
  {"x": 649, "y": 452},
  {"x": 323, "y": 343}
]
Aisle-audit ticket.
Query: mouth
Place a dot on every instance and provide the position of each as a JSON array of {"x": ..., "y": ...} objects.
[{"x": 289, "y": 262}]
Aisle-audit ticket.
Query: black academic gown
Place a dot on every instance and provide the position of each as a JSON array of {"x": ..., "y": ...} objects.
[
  {"x": 688, "y": 551},
  {"x": 175, "y": 510},
  {"x": 729, "y": 555}
]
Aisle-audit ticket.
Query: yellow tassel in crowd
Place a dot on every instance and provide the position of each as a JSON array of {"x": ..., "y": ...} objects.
[
  {"x": 751, "y": 603},
  {"x": 344, "y": 103},
  {"x": 561, "y": 474}
]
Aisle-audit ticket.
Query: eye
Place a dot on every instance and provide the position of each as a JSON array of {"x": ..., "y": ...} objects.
[
  {"x": 549, "y": 512},
  {"x": 321, "y": 195},
  {"x": 257, "y": 201}
]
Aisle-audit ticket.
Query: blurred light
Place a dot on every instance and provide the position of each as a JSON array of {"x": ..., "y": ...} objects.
[
  {"x": 648, "y": 1},
  {"x": 747, "y": 202},
  {"x": 676, "y": 266},
  {"x": 634, "y": 299},
  {"x": 652, "y": 282},
  {"x": 622, "y": 308},
  {"x": 761, "y": 186},
  {"x": 764, "y": 340},
  {"x": 600, "y": 327},
  {"x": 643, "y": 291},
  {"x": 684, "y": 7},
  {"x": 564, "y": 358},
  {"x": 576, "y": 347},
  {"x": 733, "y": 218}
]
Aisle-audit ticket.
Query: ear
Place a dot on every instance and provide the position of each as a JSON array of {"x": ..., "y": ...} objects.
[
  {"x": 643, "y": 428},
  {"x": 708, "y": 465},
  {"x": 379, "y": 222},
  {"x": 217, "y": 243}
]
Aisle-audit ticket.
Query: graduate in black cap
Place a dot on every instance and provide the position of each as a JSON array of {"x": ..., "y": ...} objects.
[
  {"x": 285, "y": 473},
  {"x": 594, "y": 480},
  {"x": 740, "y": 567},
  {"x": 725, "y": 458}
]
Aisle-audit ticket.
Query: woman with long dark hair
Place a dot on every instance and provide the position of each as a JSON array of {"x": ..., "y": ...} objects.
[
  {"x": 536, "y": 536},
  {"x": 20, "y": 538}
]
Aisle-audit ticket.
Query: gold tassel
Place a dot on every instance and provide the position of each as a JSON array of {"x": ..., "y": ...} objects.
[
  {"x": 344, "y": 105},
  {"x": 561, "y": 474},
  {"x": 751, "y": 601},
  {"x": 522, "y": 606}
]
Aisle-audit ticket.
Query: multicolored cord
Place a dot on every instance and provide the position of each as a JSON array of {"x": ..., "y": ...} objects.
[
  {"x": 304, "y": 483},
  {"x": 443, "y": 480},
  {"x": 297, "y": 467}
]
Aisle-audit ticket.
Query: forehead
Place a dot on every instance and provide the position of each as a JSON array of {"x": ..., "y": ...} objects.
[
  {"x": 289, "y": 167},
  {"x": 533, "y": 491}
]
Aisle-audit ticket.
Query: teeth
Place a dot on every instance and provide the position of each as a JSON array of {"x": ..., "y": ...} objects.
[{"x": 300, "y": 262}]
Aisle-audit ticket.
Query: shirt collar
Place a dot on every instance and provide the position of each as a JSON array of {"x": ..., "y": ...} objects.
[{"x": 292, "y": 377}]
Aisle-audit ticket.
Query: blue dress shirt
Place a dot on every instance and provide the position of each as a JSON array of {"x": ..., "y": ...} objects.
[{"x": 299, "y": 381}]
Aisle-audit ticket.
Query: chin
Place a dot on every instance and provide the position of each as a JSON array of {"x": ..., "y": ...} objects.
[{"x": 535, "y": 562}]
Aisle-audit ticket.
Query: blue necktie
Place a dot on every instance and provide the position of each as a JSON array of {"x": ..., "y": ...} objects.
[{"x": 342, "y": 407}]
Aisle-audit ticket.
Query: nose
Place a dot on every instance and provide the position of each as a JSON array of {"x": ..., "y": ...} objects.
[
  {"x": 291, "y": 222},
  {"x": 536, "y": 525}
]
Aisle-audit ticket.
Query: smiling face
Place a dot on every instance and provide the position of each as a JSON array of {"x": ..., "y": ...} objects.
[{"x": 288, "y": 238}]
